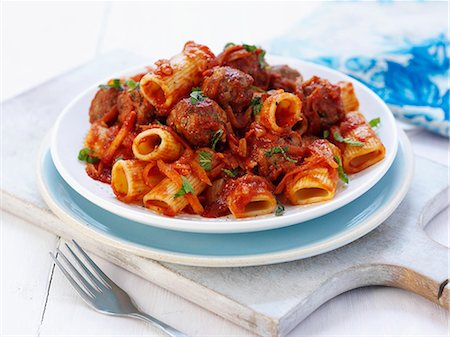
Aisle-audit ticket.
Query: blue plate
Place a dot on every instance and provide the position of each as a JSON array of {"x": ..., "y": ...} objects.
[{"x": 309, "y": 238}]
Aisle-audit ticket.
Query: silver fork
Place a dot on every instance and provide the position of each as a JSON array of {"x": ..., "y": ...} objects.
[{"x": 101, "y": 293}]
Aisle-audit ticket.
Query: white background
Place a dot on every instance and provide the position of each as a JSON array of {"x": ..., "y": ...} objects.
[{"x": 41, "y": 40}]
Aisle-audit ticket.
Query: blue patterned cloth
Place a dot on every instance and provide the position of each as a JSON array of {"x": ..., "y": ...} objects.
[{"x": 398, "y": 49}]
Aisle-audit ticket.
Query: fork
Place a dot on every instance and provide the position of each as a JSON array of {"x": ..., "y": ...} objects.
[{"x": 101, "y": 293}]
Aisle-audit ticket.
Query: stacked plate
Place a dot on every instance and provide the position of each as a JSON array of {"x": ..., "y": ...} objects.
[{"x": 303, "y": 231}]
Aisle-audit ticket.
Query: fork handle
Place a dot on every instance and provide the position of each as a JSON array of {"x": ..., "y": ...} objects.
[{"x": 157, "y": 323}]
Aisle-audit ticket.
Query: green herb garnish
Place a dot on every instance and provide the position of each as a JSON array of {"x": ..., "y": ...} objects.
[
  {"x": 232, "y": 173},
  {"x": 204, "y": 159},
  {"x": 249, "y": 48},
  {"x": 186, "y": 187},
  {"x": 326, "y": 133},
  {"x": 256, "y": 104},
  {"x": 341, "y": 172},
  {"x": 216, "y": 138},
  {"x": 86, "y": 155},
  {"x": 262, "y": 62},
  {"x": 197, "y": 95},
  {"x": 229, "y": 44},
  {"x": 374, "y": 123},
  {"x": 349, "y": 141},
  {"x": 132, "y": 85},
  {"x": 282, "y": 150},
  {"x": 115, "y": 84},
  {"x": 279, "y": 210}
]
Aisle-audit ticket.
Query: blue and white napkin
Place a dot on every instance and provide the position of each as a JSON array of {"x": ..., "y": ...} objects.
[{"x": 398, "y": 49}]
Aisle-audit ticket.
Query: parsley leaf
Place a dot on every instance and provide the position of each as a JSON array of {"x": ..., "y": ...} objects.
[
  {"x": 232, "y": 173},
  {"x": 197, "y": 95},
  {"x": 204, "y": 159},
  {"x": 326, "y": 133},
  {"x": 216, "y": 138},
  {"x": 86, "y": 155},
  {"x": 374, "y": 123},
  {"x": 132, "y": 85},
  {"x": 186, "y": 187},
  {"x": 279, "y": 210},
  {"x": 256, "y": 104},
  {"x": 349, "y": 141},
  {"x": 249, "y": 48},
  {"x": 341, "y": 172},
  {"x": 262, "y": 62},
  {"x": 229, "y": 44},
  {"x": 282, "y": 150},
  {"x": 115, "y": 84}
]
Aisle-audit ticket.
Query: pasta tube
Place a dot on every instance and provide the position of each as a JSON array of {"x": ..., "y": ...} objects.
[
  {"x": 281, "y": 111},
  {"x": 156, "y": 143},
  {"x": 127, "y": 181},
  {"x": 318, "y": 184},
  {"x": 251, "y": 196},
  {"x": 349, "y": 99},
  {"x": 162, "y": 198},
  {"x": 174, "y": 78},
  {"x": 358, "y": 142}
]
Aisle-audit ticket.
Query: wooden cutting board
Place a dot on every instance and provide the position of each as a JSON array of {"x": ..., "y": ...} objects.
[{"x": 268, "y": 300}]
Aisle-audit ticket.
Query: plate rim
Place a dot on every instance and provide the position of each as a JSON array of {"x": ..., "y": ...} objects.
[
  {"x": 234, "y": 225},
  {"x": 288, "y": 255}
]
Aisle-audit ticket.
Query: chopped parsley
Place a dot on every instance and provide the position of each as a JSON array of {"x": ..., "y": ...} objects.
[
  {"x": 229, "y": 44},
  {"x": 116, "y": 84},
  {"x": 232, "y": 173},
  {"x": 186, "y": 187},
  {"x": 204, "y": 159},
  {"x": 132, "y": 85},
  {"x": 349, "y": 141},
  {"x": 279, "y": 210},
  {"x": 326, "y": 133},
  {"x": 249, "y": 48},
  {"x": 341, "y": 172},
  {"x": 262, "y": 62},
  {"x": 374, "y": 123},
  {"x": 282, "y": 150},
  {"x": 197, "y": 95},
  {"x": 216, "y": 138},
  {"x": 256, "y": 104},
  {"x": 86, "y": 155}
]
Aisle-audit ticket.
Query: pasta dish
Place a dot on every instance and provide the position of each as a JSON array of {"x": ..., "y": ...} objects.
[{"x": 227, "y": 134}]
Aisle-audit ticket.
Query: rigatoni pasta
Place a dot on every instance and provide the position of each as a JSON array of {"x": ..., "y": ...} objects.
[
  {"x": 358, "y": 142},
  {"x": 226, "y": 135},
  {"x": 156, "y": 143},
  {"x": 174, "y": 78}
]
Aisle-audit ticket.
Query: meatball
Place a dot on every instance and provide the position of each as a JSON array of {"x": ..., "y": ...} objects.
[
  {"x": 250, "y": 62},
  {"x": 199, "y": 121},
  {"x": 133, "y": 100},
  {"x": 322, "y": 104},
  {"x": 284, "y": 77},
  {"x": 229, "y": 87},
  {"x": 104, "y": 101}
]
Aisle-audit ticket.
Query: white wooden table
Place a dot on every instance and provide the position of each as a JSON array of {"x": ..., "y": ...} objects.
[{"x": 41, "y": 40}]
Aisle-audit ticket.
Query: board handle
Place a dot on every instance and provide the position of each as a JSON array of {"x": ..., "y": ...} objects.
[{"x": 426, "y": 270}]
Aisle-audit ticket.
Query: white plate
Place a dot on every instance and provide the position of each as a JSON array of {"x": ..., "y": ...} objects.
[{"x": 73, "y": 124}]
